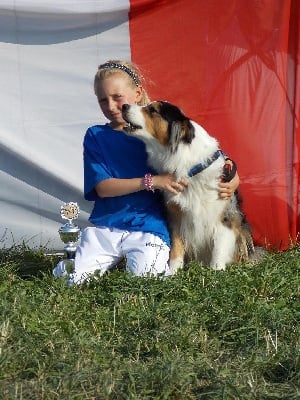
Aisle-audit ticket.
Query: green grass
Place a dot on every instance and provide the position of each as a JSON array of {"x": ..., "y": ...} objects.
[{"x": 198, "y": 335}]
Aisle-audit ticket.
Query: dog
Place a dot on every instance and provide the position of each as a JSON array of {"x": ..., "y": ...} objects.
[{"x": 202, "y": 226}]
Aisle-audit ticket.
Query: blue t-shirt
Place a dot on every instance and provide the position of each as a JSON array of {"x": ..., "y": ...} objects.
[{"x": 113, "y": 154}]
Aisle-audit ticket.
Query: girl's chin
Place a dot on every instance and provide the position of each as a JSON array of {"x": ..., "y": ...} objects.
[
  {"x": 117, "y": 125},
  {"x": 117, "y": 120}
]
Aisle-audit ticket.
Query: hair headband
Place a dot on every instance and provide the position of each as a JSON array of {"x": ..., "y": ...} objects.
[{"x": 122, "y": 67}]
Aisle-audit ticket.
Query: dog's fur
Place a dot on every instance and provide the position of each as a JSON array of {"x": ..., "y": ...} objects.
[{"x": 202, "y": 226}]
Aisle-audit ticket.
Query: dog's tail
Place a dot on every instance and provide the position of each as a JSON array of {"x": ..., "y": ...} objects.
[
  {"x": 244, "y": 243},
  {"x": 258, "y": 255}
]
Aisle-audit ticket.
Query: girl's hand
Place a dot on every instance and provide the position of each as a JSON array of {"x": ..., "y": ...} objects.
[{"x": 169, "y": 182}]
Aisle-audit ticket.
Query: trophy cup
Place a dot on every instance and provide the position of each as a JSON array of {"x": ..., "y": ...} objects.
[{"x": 69, "y": 234}]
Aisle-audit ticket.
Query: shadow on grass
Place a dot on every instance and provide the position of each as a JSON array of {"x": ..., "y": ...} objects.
[{"x": 26, "y": 262}]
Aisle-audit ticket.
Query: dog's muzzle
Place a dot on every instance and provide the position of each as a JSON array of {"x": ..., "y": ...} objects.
[{"x": 131, "y": 127}]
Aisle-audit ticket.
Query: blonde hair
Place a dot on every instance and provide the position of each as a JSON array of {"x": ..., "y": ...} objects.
[{"x": 130, "y": 71}]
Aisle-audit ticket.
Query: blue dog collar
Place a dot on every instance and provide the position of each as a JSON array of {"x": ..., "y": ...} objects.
[{"x": 202, "y": 166}]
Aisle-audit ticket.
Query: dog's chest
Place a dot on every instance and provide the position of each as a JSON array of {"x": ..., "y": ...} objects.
[{"x": 201, "y": 206}]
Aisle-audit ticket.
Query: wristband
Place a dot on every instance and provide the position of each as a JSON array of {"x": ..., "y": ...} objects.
[{"x": 148, "y": 183}]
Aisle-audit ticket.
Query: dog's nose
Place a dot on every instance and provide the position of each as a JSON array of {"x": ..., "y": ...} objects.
[{"x": 125, "y": 107}]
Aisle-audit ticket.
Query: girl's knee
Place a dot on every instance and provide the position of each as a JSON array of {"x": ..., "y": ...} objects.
[{"x": 143, "y": 264}]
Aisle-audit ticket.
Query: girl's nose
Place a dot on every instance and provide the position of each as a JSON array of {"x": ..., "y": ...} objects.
[{"x": 111, "y": 104}]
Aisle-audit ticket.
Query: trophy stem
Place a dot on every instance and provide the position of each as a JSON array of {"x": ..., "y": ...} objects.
[
  {"x": 69, "y": 234},
  {"x": 70, "y": 250}
]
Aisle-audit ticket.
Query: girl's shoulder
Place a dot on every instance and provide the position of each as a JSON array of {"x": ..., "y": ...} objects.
[
  {"x": 104, "y": 135},
  {"x": 96, "y": 132},
  {"x": 97, "y": 129}
]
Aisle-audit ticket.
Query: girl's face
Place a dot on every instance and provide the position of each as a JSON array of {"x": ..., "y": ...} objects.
[{"x": 115, "y": 91}]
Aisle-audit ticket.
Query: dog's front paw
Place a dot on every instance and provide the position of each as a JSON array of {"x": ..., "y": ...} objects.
[
  {"x": 218, "y": 266},
  {"x": 176, "y": 264}
]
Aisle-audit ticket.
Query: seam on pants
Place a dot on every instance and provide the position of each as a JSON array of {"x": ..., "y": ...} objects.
[{"x": 123, "y": 237}]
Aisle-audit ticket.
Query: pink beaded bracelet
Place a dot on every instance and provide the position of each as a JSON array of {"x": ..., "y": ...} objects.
[{"x": 148, "y": 183}]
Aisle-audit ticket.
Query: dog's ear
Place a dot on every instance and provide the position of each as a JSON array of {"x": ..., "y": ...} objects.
[
  {"x": 181, "y": 131},
  {"x": 189, "y": 131},
  {"x": 175, "y": 135}
]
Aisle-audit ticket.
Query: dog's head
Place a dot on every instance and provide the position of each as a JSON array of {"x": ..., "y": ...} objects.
[{"x": 159, "y": 120}]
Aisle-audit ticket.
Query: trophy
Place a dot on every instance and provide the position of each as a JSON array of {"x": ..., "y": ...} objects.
[{"x": 69, "y": 234}]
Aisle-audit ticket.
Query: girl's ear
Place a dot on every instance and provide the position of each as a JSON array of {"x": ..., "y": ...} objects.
[{"x": 139, "y": 93}]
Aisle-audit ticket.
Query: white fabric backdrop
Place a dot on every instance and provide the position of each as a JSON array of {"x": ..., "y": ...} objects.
[{"x": 49, "y": 53}]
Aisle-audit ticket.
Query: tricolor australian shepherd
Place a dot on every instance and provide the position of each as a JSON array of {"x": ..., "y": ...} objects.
[{"x": 203, "y": 227}]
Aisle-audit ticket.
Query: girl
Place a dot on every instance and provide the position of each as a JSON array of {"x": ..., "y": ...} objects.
[{"x": 127, "y": 216}]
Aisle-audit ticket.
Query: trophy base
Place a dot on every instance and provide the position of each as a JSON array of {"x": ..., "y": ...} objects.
[{"x": 65, "y": 268}]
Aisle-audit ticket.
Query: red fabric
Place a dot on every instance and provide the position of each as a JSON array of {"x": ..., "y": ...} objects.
[{"x": 233, "y": 66}]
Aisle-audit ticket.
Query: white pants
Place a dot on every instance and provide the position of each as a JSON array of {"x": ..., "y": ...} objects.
[{"x": 102, "y": 248}]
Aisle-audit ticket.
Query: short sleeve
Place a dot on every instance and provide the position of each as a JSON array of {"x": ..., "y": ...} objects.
[{"x": 95, "y": 169}]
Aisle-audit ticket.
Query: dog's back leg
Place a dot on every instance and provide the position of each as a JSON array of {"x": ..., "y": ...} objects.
[{"x": 223, "y": 247}]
